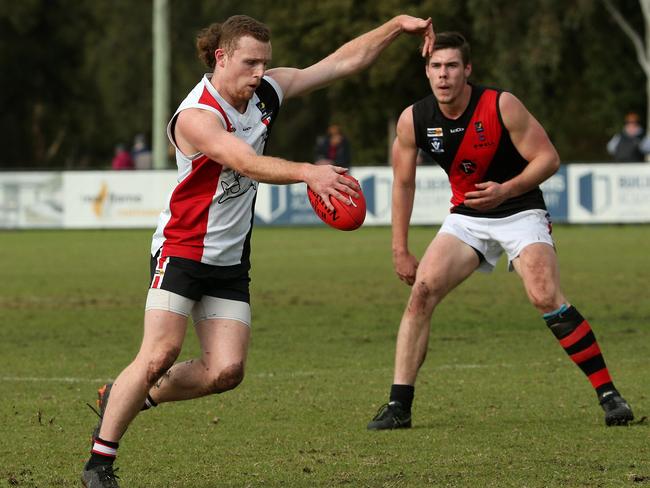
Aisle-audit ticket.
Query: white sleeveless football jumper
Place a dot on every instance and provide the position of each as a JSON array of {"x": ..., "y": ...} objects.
[{"x": 209, "y": 214}]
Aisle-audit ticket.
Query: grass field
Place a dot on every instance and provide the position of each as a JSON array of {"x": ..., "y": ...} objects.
[{"x": 498, "y": 404}]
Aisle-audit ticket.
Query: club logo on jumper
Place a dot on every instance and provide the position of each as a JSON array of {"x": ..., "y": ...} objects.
[
  {"x": 479, "y": 130},
  {"x": 434, "y": 134},
  {"x": 266, "y": 113},
  {"x": 468, "y": 166},
  {"x": 482, "y": 139},
  {"x": 436, "y": 145},
  {"x": 235, "y": 188}
]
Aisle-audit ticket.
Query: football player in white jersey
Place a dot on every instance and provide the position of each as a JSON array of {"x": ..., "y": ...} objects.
[{"x": 200, "y": 251}]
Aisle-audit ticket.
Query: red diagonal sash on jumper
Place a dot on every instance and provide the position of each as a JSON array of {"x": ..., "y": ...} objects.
[
  {"x": 191, "y": 199},
  {"x": 477, "y": 149},
  {"x": 208, "y": 99}
]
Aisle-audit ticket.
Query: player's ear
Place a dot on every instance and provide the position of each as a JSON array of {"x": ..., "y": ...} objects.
[
  {"x": 219, "y": 57},
  {"x": 468, "y": 70}
]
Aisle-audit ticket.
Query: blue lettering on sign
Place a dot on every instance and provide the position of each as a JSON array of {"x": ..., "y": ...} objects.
[{"x": 634, "y": 181}]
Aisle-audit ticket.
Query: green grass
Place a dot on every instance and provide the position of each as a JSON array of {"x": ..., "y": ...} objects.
[{"x": 497, "y": 402}]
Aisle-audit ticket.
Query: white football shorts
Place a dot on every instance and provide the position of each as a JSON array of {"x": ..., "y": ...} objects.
[
  {"x": 206, "y": 308},
  {"x": 492, "y": 236}
]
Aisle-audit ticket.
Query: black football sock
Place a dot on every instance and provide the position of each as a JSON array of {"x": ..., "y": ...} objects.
[
  {"x": 102, "y": 453},
  {"x": 403, "y": 394},
  {"x": 578, "y": 340}
]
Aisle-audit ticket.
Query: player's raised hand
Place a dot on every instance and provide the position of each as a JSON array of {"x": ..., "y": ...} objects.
[{"x": 423, "y": 27}]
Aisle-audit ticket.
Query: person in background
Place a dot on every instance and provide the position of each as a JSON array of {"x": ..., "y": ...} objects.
[
  {"x": 333, "y": 148},
  {"x": 122, "y": 159},
  {"x": 629, "y": 145},
  {"x": 141, "y": 154}
]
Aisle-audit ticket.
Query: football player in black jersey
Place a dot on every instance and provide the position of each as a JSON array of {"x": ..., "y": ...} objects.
[{"x": 496, "y": 155}]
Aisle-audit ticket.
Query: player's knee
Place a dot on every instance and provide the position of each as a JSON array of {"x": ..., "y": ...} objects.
[
  {"x": 227, "y": 378},
  {"x": 160, "y": 362},
  {"x": 423, "y": 297},
  {"x": 543, "y": 299}
]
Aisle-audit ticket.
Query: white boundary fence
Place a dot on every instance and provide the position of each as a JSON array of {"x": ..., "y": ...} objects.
[{"x": 578, "y": 193}]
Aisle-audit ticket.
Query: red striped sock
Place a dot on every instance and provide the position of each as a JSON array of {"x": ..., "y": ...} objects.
[
  {"x": 578, "y": 340},
  {"x": 102, "y": 452}
]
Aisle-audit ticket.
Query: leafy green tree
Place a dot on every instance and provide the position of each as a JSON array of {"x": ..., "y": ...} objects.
[
  {"x": 364, "y": 104},
  {"x": 560, "y": 58},
  {"x": 77, "y": 74},
  {"x": 40, "y": 96},
  {"x": 118, "y": 57},
  {"x": 641, "y": 47}
]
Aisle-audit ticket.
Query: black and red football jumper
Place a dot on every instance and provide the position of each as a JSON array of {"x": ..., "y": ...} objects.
[{"x": 474, "y": 148}]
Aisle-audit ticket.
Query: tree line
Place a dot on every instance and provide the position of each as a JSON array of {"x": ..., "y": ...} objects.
[{"x": 77, "y": 74}]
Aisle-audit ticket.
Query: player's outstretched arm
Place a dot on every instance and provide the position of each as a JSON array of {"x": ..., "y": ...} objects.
[
  {"x": 352, "y": 57},
  {"x": 532, "y": 142},
  {"x": 198, "y": 130},
  {"x": 404, "y": 157}
]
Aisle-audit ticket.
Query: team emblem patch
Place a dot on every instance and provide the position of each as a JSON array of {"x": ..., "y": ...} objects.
[
  {"x": 235, "y": 187},
  {"x": 480, "y": 130},
  {"x": 266, "y": 114},
  {"x": 468, "y": 167},
  {"x": 436, "y": 145}
]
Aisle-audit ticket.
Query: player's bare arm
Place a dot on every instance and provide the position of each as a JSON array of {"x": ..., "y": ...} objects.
[
  {"x": 352, "y": 57},
  {"x": 532, "y": 142},
  {"x": 200, "y": 131},
  {"x": 404, "y": 156}
]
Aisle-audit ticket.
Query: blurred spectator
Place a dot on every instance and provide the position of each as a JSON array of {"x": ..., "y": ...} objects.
[
  {"x": 141, "y": 154},
  {"x": 333, "y": 148},
  {"x": 626, "y": 146},
  {"x": 122, "y": 159}
]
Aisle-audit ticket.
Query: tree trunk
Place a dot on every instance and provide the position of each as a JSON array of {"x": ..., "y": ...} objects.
[
  {"x": 645, "y": 8},
  {"x": 391, "y": 137}
]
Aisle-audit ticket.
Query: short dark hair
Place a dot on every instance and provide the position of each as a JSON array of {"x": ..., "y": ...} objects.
[
  {"x": 453, "y": 40},
  {"x": 226, "y": 35}
]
